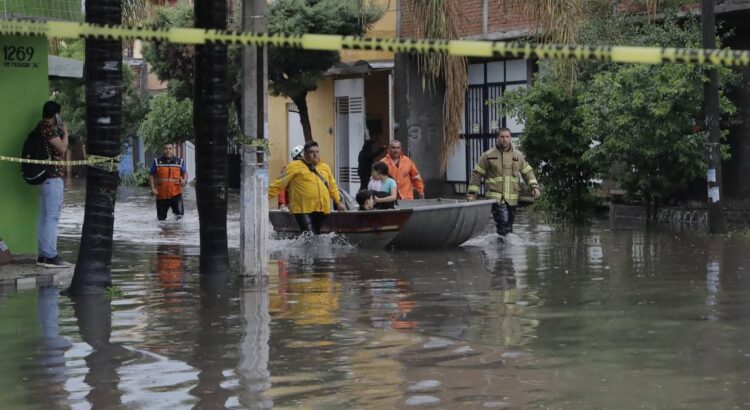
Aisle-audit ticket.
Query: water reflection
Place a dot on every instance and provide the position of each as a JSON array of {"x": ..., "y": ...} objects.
[
  {"x": 215, "y": 343},
  {"x": 558, "y": 316},
  {"x": 94, "y": 318},
  {"x": 255, "y": 377},
  {"x": 51, "y": 355}
]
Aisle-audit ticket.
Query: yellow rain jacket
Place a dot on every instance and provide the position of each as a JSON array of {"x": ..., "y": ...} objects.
[
  {"x": 307, "y": 192},
  {"x": 500, "y": 171}
]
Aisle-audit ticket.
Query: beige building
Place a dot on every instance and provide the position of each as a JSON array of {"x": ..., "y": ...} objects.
[{"x": 355, "y": 94}]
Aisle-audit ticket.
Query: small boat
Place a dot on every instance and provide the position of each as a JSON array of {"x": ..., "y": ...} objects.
[{"x": 425, "y": 223}]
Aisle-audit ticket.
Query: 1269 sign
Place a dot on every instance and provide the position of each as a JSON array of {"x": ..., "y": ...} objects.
[{"x": 18, "y": 57}]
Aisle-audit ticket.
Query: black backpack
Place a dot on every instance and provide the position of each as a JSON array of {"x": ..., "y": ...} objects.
[{"x": 35, "y": 148}]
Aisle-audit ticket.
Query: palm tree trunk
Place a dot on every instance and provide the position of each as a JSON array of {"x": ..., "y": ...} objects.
[
  {"x": 210, "y": 119},
  {"x": 304, "y": 116},
  {"x": 103, "y": 73}
]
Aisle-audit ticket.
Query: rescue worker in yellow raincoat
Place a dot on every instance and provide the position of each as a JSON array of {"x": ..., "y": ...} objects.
[
  {"x": 500, "y": 167},
  {"x": 311, "y": 188}
]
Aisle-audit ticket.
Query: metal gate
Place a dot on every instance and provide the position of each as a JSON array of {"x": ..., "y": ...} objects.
[{"x": 488, "y": 81}]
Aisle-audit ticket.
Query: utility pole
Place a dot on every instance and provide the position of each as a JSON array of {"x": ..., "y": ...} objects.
[
  {"x": 711, "y": 110},
  {"x": 254, "y": 189}
]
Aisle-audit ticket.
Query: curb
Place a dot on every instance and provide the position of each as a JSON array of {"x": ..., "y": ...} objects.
[{"x": 24, "y": 274}]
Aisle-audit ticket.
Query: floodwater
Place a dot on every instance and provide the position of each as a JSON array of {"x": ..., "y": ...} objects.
[{"x": 560, "y": 316}]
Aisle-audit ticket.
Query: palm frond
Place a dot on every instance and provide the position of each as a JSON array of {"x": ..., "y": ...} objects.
[
  {"x": 555, "y": 21},
  {"x": 442, "y": 19}
]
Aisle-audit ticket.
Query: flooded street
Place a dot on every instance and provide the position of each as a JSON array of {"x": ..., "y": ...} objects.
[{"x": 561, "y": 316}]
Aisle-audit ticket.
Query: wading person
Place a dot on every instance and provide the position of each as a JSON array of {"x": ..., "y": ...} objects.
[
  {"x": 311, "y": 189},
  {"x": 55, "y": 135},
  {"x": 167, "y": 177},
  {"x": 500, "y": 167},
  {"x": 402, "y": 169}
]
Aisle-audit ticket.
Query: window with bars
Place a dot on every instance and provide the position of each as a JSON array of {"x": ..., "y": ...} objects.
[{"x": 488, "y": 81}]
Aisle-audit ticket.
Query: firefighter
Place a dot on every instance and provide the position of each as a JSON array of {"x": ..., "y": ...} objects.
[{"x": 500, "y": 167}]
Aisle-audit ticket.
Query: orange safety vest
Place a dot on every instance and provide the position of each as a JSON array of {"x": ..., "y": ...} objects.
[{"x": 168, "y": 178}]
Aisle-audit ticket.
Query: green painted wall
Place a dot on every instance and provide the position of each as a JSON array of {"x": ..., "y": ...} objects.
[{"x": 23, "y": 90}]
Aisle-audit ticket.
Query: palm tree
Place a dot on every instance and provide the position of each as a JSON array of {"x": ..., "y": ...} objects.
[
  {"x": 210, "y": 119},
  {"x": 103, "y": 76}
]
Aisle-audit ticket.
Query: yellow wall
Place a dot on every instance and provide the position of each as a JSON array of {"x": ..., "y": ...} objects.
[
  {"x": 320, "y": 106},
  {"x": 320, "y": 103},
  {"x": 385, "y": 27}
]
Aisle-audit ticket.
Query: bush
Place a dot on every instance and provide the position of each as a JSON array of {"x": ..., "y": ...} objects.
[
  {"x": 555, "y": 146},
  {"x": 138, "y": 178}
]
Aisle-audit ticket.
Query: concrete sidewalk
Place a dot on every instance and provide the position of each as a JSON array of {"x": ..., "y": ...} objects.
[{"x": 23, "y": 273}]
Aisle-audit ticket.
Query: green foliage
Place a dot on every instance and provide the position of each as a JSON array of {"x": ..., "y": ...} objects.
[
  {"x": 172, "y": 62},
  {"x": 115, "y": 292},
  {"x": 555, "y": 146},
  {"x": 742, "y": 234},
  {"x": 138, "y": 178},
  {"x": 640, "y": 125},
  {"x": 295, "y": 72},
  {"x": 647, "y": 118},
  {"x": 168, "y": 120},
  {"x": 71, "y": 94}
]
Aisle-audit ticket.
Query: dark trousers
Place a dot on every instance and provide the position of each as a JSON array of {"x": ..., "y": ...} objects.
[
  {"x": 163, "y": 205},
  {"x": 504, "y": 215},
  {"x": 364, "y": 179},
  {"x": 310, "y": 222}
]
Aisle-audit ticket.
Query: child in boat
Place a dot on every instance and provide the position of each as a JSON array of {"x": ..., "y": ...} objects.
[
  {"x": 365, "y": 199},
  {"x": 385, "y": 197}
]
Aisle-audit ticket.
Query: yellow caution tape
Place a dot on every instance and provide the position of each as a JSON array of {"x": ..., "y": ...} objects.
[
  {"x": 90, "y": 160},
  {"x": 621, "y": 54}
]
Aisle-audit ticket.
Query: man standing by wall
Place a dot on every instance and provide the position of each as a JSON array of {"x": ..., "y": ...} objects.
[
  {"x": 403, "y": 170},
  {"x": 500, "y": 167},
  {"x": 168, "y": 176},
  {"x": 311, "y": 188},
  {"x": 55, "y": 134}
]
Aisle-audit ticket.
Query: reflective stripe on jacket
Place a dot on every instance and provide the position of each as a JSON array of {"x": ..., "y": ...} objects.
[
  {"x": 168, "y": 178},
  {"x": 406, "y": 175},
  {"x": 500, "y": 169},
  {"x": 307, "y": 192}
]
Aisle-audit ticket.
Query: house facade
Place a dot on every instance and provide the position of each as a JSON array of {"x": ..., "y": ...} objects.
[
  {"x": 418, "y": 115},
  {"x": 355, "y": 94}
]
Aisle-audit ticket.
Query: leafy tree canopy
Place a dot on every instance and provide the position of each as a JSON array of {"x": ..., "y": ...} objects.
[
  {"x": 640, "y": 125},
  {"x": 168, "y": 120},
  {"x": 294, "y": 73},
  {"x": 71, "y": 94}
]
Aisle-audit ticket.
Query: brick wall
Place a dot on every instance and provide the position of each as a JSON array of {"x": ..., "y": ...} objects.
[
  {"x": 503, "y": 16},
  {"x": 507, "y": 16}
]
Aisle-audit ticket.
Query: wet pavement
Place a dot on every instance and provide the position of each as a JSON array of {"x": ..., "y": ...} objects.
[{"x": 560, "y": 316}]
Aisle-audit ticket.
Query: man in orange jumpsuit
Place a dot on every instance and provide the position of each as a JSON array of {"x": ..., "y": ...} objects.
[{"x": 403, "y": 170}]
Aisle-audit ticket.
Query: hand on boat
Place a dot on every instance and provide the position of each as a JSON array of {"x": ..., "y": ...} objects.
[
  {"x": 340, "y": 206},
  {"x": 535, "y": 192},
  {"x": 471, "y": 197}
]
